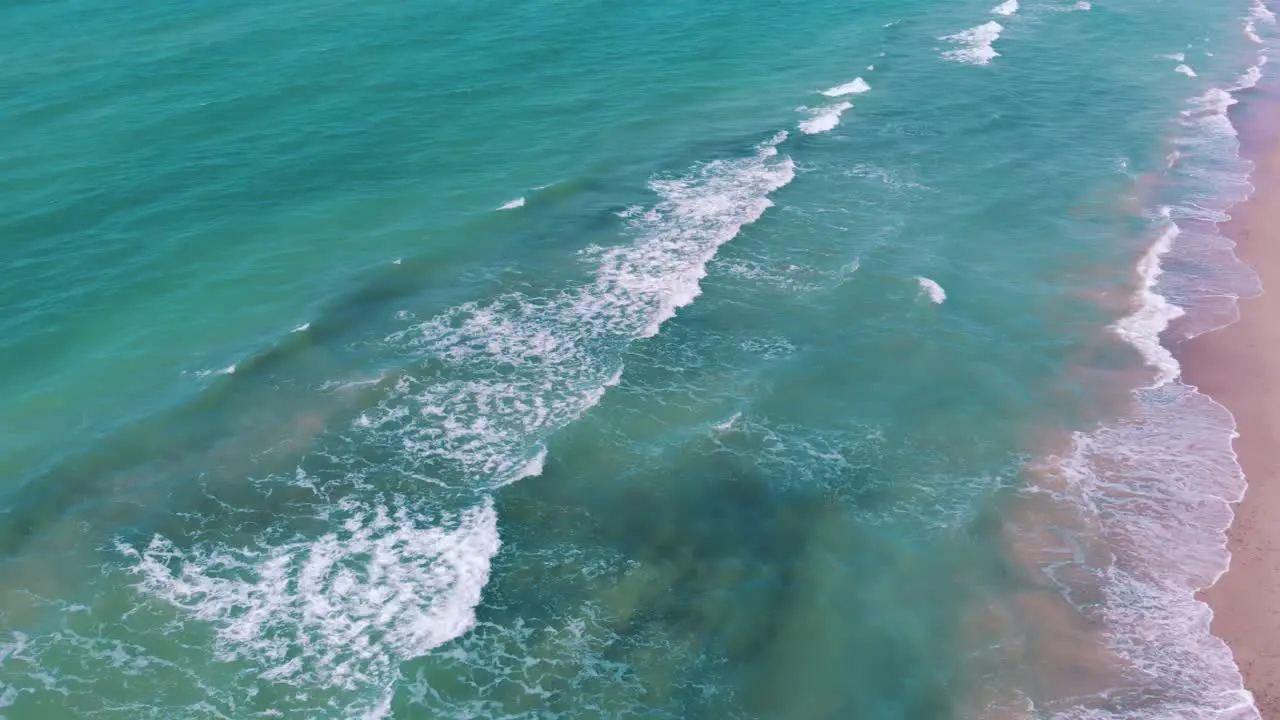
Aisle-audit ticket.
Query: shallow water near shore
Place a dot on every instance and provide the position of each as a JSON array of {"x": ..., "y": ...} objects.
[{"x": 547, "y": 360}]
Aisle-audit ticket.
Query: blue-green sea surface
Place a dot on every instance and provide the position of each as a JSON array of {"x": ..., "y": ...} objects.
[{"x": 565, "y": 359}]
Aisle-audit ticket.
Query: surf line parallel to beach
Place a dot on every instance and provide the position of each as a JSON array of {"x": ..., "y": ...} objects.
[
  {"x": 1144, "y": 502},
  {"x": 1239, "y": 367}
]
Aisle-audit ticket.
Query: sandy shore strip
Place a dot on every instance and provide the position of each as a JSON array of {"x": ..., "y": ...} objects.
[{"x": 1239, "y": 366}]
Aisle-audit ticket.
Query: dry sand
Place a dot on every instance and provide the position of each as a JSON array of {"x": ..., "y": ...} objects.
[{"x": 1239, "y": 367}]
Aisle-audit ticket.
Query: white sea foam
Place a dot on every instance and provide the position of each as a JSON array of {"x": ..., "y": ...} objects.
[
  {"x": 1212, "y": 103},
  {"x": 1157, "y": 488},
  {"x": 1008, "y": 7},
  {"x": 1142, "y": 328},
  {"x": 856, "y": 86},
  {"x": 10, "y": 650},
  {"x": 521, "y": 665},
  {"x": 340, "y": 612},
  {"x": 302, "y": 328},
  {"x": 396, "y": 574},
  {"x": 533, "y": 468},
  {"x": 513, "y": 204},
  {"x": 1185, "y": 70},
  {"x": 889, "y": 177},
  {"x": 1258, "y": 12},
  {"x": 932, "y": 289},
  {"x": 520, "y": 367},
  {"x": 697, "y": 213},
  {"x": 1158, "y": 484},
  {"x": 1176, "y": 57},
  {"x": 727, "y": 424},
  {"x": 823, "y": 119},
  {"x": 792, "y": 278},
  {"x": 974, "y": 46},
  {"x": 769, "y": 348},
  {"x": 228, "y": 370},
  {"x": 1250, "y": 77}
]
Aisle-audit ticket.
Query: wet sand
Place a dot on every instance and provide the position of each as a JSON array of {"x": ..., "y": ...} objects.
[{"x": 1239, "y": 366}]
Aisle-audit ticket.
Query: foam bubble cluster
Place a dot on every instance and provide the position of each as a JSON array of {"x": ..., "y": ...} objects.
[{"x": 974, "y": 46}]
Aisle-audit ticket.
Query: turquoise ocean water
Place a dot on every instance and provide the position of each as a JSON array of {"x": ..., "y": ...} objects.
[{"x": 545, "y": 358}]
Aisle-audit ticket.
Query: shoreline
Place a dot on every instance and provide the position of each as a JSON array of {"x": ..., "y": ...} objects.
[{"x": 1238, "y": 366}]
